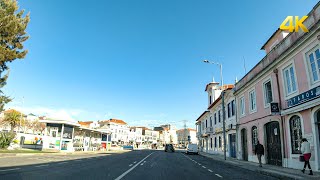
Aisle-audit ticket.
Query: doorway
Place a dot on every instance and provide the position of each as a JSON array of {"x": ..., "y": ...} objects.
[
  {"x": 244, "y": 144},
  {"x": 232, "y": 140},
  {"x": 274, "y": 155}
]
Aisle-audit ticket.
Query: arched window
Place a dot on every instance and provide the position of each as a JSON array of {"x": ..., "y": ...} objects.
[
  {"x": 296, "y": 134},
  {"x": 254, "y": 132},
  {"x": 219, "y": 141}
]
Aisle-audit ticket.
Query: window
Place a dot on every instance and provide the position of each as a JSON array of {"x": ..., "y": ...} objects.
[
  {"x": 219, "y": 141},
  {"x": 252, "y": 96},
  {"x": 210, "y": 121},
  {"x": 267, "y": 93},
  {"x": 206, "y": 123},
  {"x": 229, "y": 110},
  {"x": 202, "y": 125},
  {"x": 242, "y": 110},
  {"x": 219, "y": 116},
  {"x": 314, "y": 64},
  {"x": 296, "y": 133},
  {"x": 210, "y": 100},
  {"x": 215, "y": 118},
  {"x": 215, "y": 142},
  {"x": 211, "y": 143},
  {"x": 290, "y": 80},
  {"x": 233, "y": 107},
  {"x": 254, "y": 137}
]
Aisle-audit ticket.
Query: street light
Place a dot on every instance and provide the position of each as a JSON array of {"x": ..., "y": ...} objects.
[{"x": 223, "y": 109}]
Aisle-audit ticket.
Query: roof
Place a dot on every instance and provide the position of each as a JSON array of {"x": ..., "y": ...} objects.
[
  {"x": 210, "y": 84},
  {"x": 202, "y": 115},
  {"x": 116, "y": 121},
  {"x": 85, "y": 122},
  {"x": 57, "y": 121},
  {"x": 226, "y": 86},
  {"x": 188, "y": 129},
  {"x": 278, "y": 30}
]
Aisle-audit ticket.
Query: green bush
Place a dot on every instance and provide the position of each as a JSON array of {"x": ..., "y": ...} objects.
[{"x": 5, "y": 139}]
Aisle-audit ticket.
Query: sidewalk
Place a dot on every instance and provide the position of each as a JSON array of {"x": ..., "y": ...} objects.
[
  {"x": 270, "y": 170},
  {"x": 58, "y": 153}
]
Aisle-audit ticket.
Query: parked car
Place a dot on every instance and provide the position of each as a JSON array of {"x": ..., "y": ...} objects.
[
  {"x": 192, "y": 149},
  {"x": 169, "y": 148}
]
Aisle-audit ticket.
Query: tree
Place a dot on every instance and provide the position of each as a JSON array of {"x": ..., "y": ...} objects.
[
  {"x": 35, "y": 126},
  {"x": 13, "y": 24},
  {"x": 12, "y": 117}
]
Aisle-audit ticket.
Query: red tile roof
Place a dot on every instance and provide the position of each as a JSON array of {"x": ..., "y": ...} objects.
[
  {"x": 117, "y": 121},
  {"x": 85, "y": 123}
]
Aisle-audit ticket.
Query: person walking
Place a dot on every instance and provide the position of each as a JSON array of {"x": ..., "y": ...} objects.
[
  {"x": 305, "y": 150},
  {"x": 259, "y": 151}
]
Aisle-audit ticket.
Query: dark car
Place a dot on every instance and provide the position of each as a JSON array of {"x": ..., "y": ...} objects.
[{"x": 168, "y": 148}]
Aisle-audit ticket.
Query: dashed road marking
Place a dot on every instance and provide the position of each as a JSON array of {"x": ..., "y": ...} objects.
[
  {"x": 218, "y": 175},
  {"x": 199, "y": 164},
  {"x": 130, "y": 165},
  {"x": 135, "y": 162},
  {"x": 43, "y": 165},
  {"x": 210, "y": 170},
  {"x": 2, "y": 170},
  {"x": 203, "y": 166},
  {"x": 125, "y": 173}
]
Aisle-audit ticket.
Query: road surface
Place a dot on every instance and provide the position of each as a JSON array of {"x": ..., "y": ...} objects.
[{"x": 134, "y": 165}]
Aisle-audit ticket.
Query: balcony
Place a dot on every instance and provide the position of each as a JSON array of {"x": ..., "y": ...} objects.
[{"x": 209, "y": 130}]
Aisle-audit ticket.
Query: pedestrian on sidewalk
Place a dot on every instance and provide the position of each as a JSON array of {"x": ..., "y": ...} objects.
[
  {"x": 259, "y": 151},
  {"x": 305, "y": 150}
]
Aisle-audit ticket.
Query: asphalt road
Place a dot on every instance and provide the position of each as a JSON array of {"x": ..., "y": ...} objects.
[{"x": 134, "y": 165}]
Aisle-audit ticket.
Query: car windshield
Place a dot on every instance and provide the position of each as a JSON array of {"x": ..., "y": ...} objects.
[{"x": 159, "y": 89}]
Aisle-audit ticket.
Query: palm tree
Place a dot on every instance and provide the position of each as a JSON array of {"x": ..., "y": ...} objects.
[{"x": 12, "y": 117}]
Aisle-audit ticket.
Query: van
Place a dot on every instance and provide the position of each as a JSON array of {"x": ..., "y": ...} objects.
[{"x": 192, "y": 149}]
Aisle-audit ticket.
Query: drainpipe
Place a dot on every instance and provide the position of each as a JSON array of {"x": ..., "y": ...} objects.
[
  {"x": 281, "y": 117},
  {"x": 237, "y": 128}
]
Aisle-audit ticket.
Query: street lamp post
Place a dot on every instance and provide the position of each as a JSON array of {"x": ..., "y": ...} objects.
[{"x": 223, "y": 108}]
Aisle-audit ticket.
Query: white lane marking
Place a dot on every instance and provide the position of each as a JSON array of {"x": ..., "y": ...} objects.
[
  {"x": 141, "y": 164},
  {"x": 130, "y": 165},
  {"x": 203, "y": 166},
  {"x": 9, "y": 169},
  {"x": 218, "y": 175},
  {"x": 125, "y": 173},
  {"x": 43, "y": 165},
  {"x": 199, "y": 164},
  {"x": 135, "y": 162},
  {"x": 210, "y": 170}
]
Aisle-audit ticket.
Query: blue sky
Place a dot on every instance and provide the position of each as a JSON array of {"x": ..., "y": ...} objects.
[{"x": 138, "y": 60}]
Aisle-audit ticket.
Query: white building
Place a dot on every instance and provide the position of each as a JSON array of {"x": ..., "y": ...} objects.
[
  {"x": 118, "y": 128},
  {"x": 186, "y": 136},
  {"x": 210, "y": 123}
]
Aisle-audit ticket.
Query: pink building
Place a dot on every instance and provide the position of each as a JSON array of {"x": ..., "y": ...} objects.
[{"x": 287, "y": 80}]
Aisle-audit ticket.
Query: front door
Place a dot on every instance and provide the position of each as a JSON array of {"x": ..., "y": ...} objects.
[
  {"x": 274, "y": 156},
  {"x": 244, "y": 144},
  {"x": 232, "y": 140}
]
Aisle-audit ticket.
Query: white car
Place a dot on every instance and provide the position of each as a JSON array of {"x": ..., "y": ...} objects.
[{"x": 192, "y": 149}]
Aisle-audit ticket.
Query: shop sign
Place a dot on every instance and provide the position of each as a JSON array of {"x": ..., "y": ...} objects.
[{"x": 303, "y": 97}]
